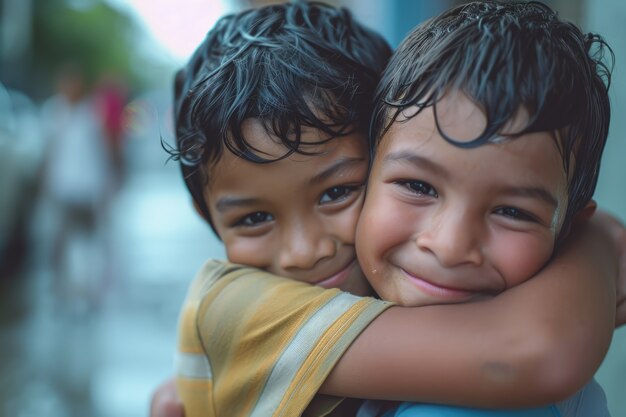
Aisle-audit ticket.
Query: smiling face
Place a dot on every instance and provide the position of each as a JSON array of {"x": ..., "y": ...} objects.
[
  {"x": 295, "y": 217},
  {"x": 442, "y": 224}
]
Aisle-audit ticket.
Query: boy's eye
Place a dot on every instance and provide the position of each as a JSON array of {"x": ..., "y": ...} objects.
[
  {"x": 419, "y": 187},
  {"x": 255, "y": 219},
  {"x": 515, "y": 214},
  {"x": 336, "y": 193}
]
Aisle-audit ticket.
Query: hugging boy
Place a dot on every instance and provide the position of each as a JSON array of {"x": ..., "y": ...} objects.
[
  {"x": 270, "y": 108},
  {"x": 490, "y": 122}
]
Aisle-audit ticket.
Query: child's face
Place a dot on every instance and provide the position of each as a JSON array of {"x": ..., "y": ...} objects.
[
  {"x": 295, "y": 217},
  {"x": 442, "y": 224}
]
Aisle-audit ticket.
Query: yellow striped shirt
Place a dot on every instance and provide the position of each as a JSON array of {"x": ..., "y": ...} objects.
[{"x": 253, "y": 344}]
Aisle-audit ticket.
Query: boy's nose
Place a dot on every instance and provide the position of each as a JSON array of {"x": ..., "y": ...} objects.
[
  {"x": 453, "y": 238},
  {"x": 303, "y": 246}
]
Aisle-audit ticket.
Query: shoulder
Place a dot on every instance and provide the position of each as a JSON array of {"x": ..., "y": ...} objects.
[
  {"x": 436, "y": 410},
  {"x": 240, "y": 296},
  {"x": 589, "y": 401},
  {"x": 215, "y": 271}
]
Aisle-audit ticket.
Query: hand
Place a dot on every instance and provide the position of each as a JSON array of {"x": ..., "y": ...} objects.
[
  {"x": 617, "y": 232},
  {"x": 165, "y": 401}
]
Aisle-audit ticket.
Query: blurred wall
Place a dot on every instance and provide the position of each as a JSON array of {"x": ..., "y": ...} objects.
[{"x": 607, "y": 18}]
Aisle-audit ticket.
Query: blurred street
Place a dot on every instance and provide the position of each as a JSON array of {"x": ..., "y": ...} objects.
[{"x": 104, "y": 346}]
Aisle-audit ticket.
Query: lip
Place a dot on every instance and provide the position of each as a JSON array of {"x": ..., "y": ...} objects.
[
  {"x": 336, "y": 280},
  {"x": 438, "y": 291}
]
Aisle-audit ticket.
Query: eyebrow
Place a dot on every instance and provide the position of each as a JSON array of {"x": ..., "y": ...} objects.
[
  {"x": 539, "y": 193},
  {"x": 225, "y": 203},
  {"x": 417, "y": 160},
  {"x": 342, "y": 165},
  {"x": 536, "y": 192}
]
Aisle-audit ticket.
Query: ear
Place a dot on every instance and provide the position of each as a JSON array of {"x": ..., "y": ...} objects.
[{"x": 586, "y": 212}]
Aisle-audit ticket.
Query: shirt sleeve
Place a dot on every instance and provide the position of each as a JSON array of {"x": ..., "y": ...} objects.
[{"x": 271, "y": 342}]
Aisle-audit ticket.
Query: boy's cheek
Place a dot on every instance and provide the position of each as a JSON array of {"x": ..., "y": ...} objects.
[
  {"x": 345, "y": 224},
  {"x": 375, "y": 232},
  {"x": 383, "y": 217},
  {"x": 520, "y": 259},
  {"x": 243, "y": 252}
]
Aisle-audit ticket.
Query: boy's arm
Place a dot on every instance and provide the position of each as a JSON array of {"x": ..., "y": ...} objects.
[{"x": 534, "y": 344}]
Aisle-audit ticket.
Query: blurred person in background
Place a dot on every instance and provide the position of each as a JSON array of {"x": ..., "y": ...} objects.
[
  {"x": 77, "y": 181},
  {"x": 111, "y": 98}
]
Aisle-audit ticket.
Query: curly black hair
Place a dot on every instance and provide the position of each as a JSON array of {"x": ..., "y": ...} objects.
[
  {"x": 295, "y": 65},
  {"x": 506, "y": 56}
]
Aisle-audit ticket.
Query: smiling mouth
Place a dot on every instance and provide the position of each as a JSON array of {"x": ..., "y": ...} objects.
[
  {"x": 335, "y": 281},
  {"x": 439, "y": 291}
]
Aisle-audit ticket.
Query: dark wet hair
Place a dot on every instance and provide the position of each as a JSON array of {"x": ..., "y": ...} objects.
[
  {"x": 302, "y": 64},
  {"x": 505, "y": 56}
]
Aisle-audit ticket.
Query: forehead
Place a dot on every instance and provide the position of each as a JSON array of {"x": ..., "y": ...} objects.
[
  {"x": 268, "y": 146},
  {"x": 535, "y": 155},
  {"x": 313, "y": 157},
  {"x": 460, "y": 119},
  {"x": 456, "y": 118}
]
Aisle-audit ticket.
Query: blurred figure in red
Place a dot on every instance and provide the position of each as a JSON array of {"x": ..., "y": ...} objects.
[{"x": 111, "y": 97}]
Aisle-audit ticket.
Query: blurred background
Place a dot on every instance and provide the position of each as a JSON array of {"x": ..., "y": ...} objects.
[{"x": 98, "y": 236}]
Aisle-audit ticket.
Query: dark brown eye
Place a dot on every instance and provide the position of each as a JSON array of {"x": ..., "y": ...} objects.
[
  {"x": 515, "y": 214},
  {"x": 336, "y": 193},
  {"x": 419, "y": 187},
  {"x": 255, "y": 219}
]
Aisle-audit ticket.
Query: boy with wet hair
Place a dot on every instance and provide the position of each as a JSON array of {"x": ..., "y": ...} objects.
[
  {"x": 269, "y": 64},
  {"x": 281, "y": 182},
  {"x": 271, "y": 117},
  {"x": 490, "y": 123}
]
